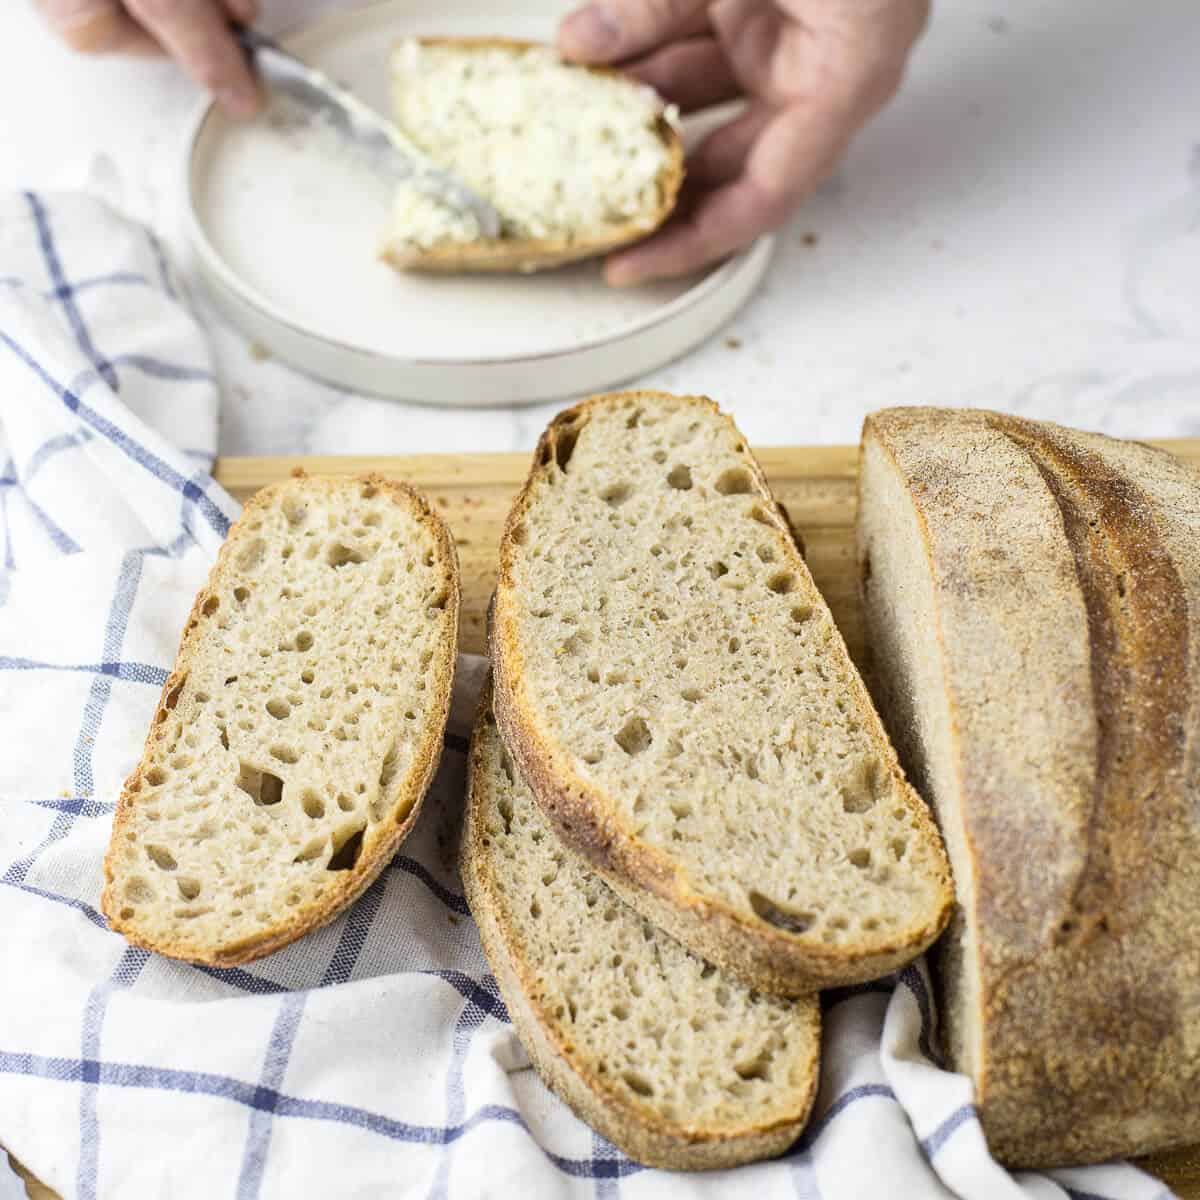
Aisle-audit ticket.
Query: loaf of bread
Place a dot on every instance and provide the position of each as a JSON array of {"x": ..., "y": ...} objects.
[
  {"x": 675, "y": 1063},
  {"x": 1032, "y": 598},
  {"x": 577, "y": 160},
  {"x": 299, "y": 729},
  {"x": 678, "y": 698}
]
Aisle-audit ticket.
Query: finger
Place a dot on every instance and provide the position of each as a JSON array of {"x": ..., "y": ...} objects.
[
  {"x": 244, "y": 12},
  {"x": 198, "y": 36},
  {"x": 721, "y": 156},
  {"x": 608, "y": 31},
  {"x": 693, "y": 73},
  {"x": 791, "y": 156},
  {"x": 97, "y": 27}
]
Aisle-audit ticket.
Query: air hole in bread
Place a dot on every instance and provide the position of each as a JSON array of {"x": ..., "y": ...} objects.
[
  {"x": 717, "y": 569},
  {"x": 341, "y": 555},
  {"x": 261, "y": 786},
  {"x": 520, "y": 534},
  {"x": 616, "y": 494},
  {"x": 439, "y": 602},
  {"x": 758, "y": 1067},
  {"x": 620, "y": 1012},
  {"x": 313, "y": 805},
  {"x": 899, "y": 847},
  {"x": 615, "y": 678},
  {"x": 564, "y": 446},
  {"x": 294, "y": 510},
  {"x": 634, "y": 419},
  {"x": 860, "y": 858},
  {"x": 504, "y": 806},
  {"x": 866, "y": 785},
  {"x": 659, "y": 456},
  {"x": 388, "y": 769},
  {"x": 162, "y": 858},
  {"x": 307, "y": 676},
  {"x": 789, "y": 920},
  {"x": 304, "y": 640},
  {"x": 173, "y": 695},
  {"x": 801, "y": 613},
  {"x": 156, "y": 776},
  {"x": 680, "y": 478},
  {"x": 691, "y": 694},
  {"x": 223, "y": 735},
  {"x": 766, "y": 553},
  {"x": 279, "y": 709},
  {"x": 638, "y": 1083},
  {"x": 369, "y": 491},
  {"x": 346, "y": 852},
  {"x": 736, "y": 481},
  {"x": 535, "y": 908},
  {"x": 634, "y": 736},
  {"x": 760, "y": 514},
  {"x": 681, "y": 809},
  {"x": 781, "y": 582},
  {"x": 285, "y": 754},
  {"x": 189, "y": 888}
]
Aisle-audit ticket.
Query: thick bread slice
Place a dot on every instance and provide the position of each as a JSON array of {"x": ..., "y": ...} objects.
[
  {"x": 299, "y": 729},
  {"x": 1032, "y": 597},
  {"x": 577, "y": 160},
  {"x": 677, "y": 1064},
  {"x": 678, "y": 697}
]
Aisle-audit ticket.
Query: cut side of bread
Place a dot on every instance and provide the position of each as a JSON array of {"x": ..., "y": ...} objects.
[
  {"x": 677, "y": 1064},
  {"x": 299, "y": 729},
  {"x": 576, "y": 160},
  {"x": 1032, "y": 599},
  {"x": 678, "y": 697}
]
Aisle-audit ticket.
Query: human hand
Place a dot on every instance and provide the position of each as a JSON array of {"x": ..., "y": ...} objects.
[
  {"x": 194, "y": 32},
  {"x": 813, "y": 72}
]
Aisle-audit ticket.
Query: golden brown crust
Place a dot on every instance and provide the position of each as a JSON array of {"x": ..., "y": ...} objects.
[
  {"x": 762, "y": 955},
  {"x": 377, "y": 849},
  {"x": 1089, "y": 964},
  {"x": 527, "y": 255},
  {"x": 635, "y": 1128}
]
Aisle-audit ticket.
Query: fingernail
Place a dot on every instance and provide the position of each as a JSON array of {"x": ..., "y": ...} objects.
[
  {"x": 589, "y": 32},
  {"x": 239, "y": 102}
]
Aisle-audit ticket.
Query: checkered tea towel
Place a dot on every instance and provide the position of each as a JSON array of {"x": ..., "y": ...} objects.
[{"x": 375, "y": 1057}]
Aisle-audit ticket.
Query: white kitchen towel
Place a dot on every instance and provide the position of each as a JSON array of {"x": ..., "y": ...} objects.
[{"x": 376, "y": 1055}]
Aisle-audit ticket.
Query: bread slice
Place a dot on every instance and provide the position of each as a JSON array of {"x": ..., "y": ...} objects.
[
  {"x": 299, "y": 729},
  {"x": 1032, "y": 596},
  {"x": 674, "y": 1062},
  {"x": 678, "y": 697},
  {"x": 577, "y": 160}
]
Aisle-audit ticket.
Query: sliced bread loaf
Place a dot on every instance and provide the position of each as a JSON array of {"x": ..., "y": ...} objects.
[
  {"x": 676, "y": 1063},
  {"x": 577, "y": 160},
  {"x": 1032, "y": 597},
  {"x": 678, "y": 697},
  {"x": 299, "y": 729}
]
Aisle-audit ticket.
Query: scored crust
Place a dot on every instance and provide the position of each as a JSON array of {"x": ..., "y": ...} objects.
[
  {"x": 644, "y": 876},
  {"x": 526, "y": 255},
  {"x": 645, "y": 1136},
  {"x": 379, "y": 845}
]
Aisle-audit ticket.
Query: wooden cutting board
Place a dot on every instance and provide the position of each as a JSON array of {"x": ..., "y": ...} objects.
[{"x": 816, "y": 484}]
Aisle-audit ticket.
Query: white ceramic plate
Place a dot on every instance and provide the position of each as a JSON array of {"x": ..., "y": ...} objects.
[{"x": 283, "y": 232}]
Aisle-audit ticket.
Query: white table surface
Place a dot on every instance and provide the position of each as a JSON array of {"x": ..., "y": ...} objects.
[{"x": 1020, "y": 230}]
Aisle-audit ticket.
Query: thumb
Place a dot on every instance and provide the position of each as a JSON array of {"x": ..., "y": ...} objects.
[{"x": 606, "y": 31}]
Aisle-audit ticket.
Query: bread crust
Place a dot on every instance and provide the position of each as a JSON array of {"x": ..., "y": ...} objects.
[
  {"x": 528, "y": 255},
  {"x": 634, "y": 1127},
  {"x": 377, "y": 850},
  {"x": 1088, "y": 864},
  {"x": 647, "y": 879}
]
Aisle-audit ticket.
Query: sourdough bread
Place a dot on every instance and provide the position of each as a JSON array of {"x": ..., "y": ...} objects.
[
  {"x": 678, "y": 697},
  {"x": 1032, "y": 597},
  {"x": 299, "y": 729},
  {"x": 576, "y": 160},
  {"x": 677, "y": 1064}
]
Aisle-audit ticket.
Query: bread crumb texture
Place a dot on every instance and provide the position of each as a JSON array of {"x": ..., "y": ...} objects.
[
  {"x": 673, "y": 647},
  {"x": 654, "y": 1030},
  {"x": 561, "y": 151},
  {"x": 295, "y": 737}
]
